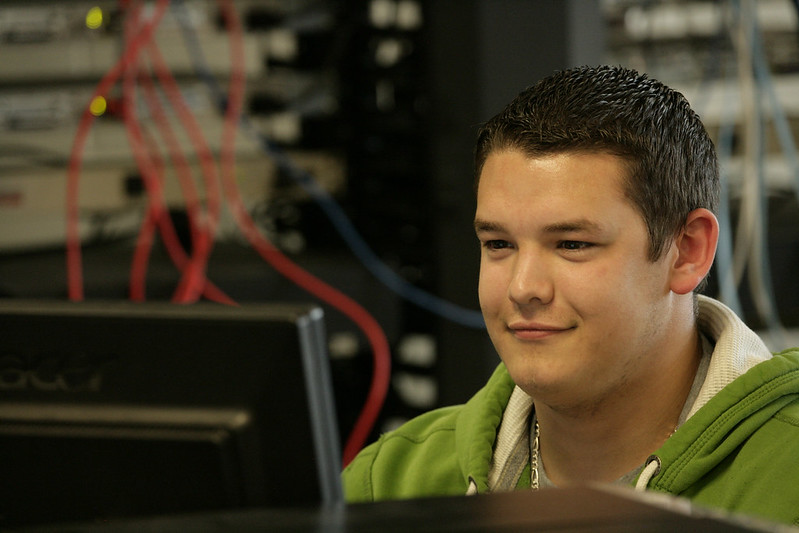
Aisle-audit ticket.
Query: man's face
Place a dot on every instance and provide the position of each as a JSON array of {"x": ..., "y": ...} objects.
[{"x": 572, "y": 304}]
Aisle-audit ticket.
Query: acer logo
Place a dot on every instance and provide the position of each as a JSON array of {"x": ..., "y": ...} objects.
[{"x": 54, "y": 372}]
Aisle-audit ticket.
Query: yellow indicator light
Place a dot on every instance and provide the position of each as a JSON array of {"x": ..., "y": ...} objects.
[
  {"x": 94, "y": 18},
  {"x": 98, "y": 106}
]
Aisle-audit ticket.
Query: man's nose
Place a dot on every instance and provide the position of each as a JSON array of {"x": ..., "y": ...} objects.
[{"x": 531, "y": 280}]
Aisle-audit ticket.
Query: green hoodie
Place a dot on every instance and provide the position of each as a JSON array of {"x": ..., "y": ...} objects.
[{"x": 738, "y": 450}]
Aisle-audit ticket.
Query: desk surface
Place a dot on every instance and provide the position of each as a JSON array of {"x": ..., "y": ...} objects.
[{"x": 562, "y": 510}]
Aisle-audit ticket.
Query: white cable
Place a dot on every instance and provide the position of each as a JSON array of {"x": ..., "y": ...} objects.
[
  {"x": 747, "y": 214},
  {"x": 753, "y": 225},
  {"x": 761, "y": 264}
]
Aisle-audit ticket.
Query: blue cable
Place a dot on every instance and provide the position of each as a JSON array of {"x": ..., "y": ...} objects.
[
  {"x": 727, "y": 288},
  {"x": 332, "y": 210}
]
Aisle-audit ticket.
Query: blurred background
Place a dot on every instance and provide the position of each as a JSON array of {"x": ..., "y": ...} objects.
[{"x": 299, "y": 150}]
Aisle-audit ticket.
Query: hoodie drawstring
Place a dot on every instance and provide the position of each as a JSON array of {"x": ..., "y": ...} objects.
[{"x": 650, "y": 470}]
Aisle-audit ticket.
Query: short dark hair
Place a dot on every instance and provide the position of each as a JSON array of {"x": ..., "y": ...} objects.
[{"x": 673, "y": 168}]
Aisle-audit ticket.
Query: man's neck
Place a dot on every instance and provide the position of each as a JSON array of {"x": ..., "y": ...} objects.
[{"x": 605, "y": 441}]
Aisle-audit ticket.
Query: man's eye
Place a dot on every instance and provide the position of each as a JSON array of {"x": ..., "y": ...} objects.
[
  {"x": 496, "y": 244},
  {"x": 574, "y": 245}
]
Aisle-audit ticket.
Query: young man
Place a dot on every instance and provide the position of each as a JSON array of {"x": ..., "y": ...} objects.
[{"x": 595, "y": 196}]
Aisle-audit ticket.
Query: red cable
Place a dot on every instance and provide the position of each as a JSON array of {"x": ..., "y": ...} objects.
[
  {"x": 73, "y": 243},
  {"x": 137, "y": 291},
  {"x": 157, "y": 217},
  {"x": 150, "y": 167},
  {"x": 193, "y": 205},
  {"x": 191, "y": 284},
  {"x": 374, "y": 333},
  {"x": 153, "y": 173},
  {"x": 177, "y": 156},
  {"x": 282, "y": 264},
  {"x": 193, "y": 208}
]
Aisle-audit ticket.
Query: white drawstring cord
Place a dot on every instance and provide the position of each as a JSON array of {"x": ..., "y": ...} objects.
[
  {"x": 652, "y": 467},
  {"x": 472, "y": 490}
]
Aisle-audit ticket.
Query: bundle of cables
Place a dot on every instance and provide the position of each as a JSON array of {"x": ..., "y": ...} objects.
[
  {"x": 139, "y": 67},
  {"x": 749, "y": 100}
]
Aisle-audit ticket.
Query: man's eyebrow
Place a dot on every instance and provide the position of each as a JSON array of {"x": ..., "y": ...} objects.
[
  {"x": 568, "y": 226},
  {"x": 484, "y": 225}
]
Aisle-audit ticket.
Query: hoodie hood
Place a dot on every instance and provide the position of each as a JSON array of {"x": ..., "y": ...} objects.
[
  {"x": 476, "y": 429},
  {"x": 737, "y": 348},
  {"x": 723, "y": 425},
  {"x": 746, "y": 387}
]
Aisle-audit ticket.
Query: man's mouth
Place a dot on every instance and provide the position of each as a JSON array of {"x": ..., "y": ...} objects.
[{"x": 535, "y": 330}]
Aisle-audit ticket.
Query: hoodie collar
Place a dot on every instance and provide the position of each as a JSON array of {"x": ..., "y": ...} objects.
[
  {"x": 737, "y": 348},
  {"x": 476, "y": 429}
]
